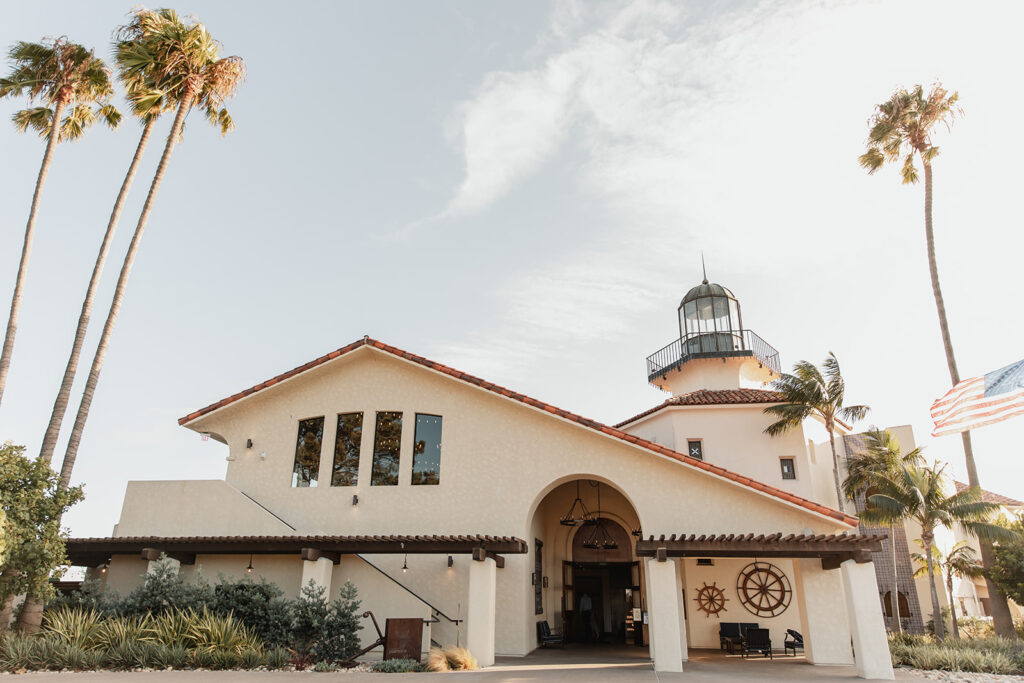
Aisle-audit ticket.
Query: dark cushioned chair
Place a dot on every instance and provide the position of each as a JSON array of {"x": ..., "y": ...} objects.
[
  {"x": 546, "y": 638},
  {"x": 757, "y": 640},
  {"x": 793, "y": 641}
]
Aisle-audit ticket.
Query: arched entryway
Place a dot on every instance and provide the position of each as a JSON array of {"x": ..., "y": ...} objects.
[{"x": 587, "y": 582}]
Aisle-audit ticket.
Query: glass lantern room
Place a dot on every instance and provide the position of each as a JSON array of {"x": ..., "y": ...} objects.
[{"x": 710, "y": 320}]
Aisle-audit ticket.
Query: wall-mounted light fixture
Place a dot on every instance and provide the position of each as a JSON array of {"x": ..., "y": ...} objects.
[
  {"x": 248, "y": 443},
  {"x": 355, "y": 499},
  {"x": 451, "y": 561},
  {"x": 545, "y": 582},
  {"x": 103, "y": 569},
  {"x": 533, "y": 579},
  {"x": 249, "y": 568}
]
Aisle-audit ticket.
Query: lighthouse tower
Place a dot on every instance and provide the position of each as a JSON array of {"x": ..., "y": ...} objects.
[{"x": 713, "y": 350}]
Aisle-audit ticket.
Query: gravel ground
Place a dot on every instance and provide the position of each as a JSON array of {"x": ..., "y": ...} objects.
[{"x": 964, "y": 676}]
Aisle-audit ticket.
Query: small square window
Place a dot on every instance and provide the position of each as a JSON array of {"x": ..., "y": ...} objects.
[
  {"x": 695, "y": 448},
  {"x": 788, "y": 468}
]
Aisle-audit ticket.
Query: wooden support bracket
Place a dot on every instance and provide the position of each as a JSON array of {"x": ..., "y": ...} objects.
[
  {"x": 661, "y": 554},
  {"x": 481, "y": 554}
]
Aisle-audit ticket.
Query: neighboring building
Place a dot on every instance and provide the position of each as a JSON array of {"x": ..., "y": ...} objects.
[
  {"x": 447, "y": 497},
  {"x": 972, "y": 594}
]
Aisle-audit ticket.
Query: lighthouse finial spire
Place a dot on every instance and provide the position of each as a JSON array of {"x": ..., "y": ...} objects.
[{"x": 703, "y": 267}]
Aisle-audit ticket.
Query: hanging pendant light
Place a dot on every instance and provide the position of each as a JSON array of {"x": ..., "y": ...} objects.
[
  {"x": 249, "y": 568},
  {"x": 578, "y": 514},
  {"x": 599, "y": 538}
]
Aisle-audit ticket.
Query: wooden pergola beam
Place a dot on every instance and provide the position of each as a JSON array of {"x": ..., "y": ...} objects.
[
  {"x": 833, "y": 548},
  {"x": 91, "y": 552}
]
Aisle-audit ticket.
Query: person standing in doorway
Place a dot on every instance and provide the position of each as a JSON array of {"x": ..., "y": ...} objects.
[{"x": 586, "y": 612}]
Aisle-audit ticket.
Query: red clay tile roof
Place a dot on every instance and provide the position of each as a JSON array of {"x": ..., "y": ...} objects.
[
  {"x": 540, "y": 405},
  {"x": 712, "y": 397},
  {"x": 990, "y": 497}
]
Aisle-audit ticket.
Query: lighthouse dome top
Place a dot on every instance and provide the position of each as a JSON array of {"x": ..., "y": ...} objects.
[{"x": 706, "y": 289}]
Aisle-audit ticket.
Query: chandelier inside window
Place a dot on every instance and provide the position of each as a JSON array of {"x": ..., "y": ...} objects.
[
  {"x": 598, "y": 538},
  {"x": 578, "y": 514}
]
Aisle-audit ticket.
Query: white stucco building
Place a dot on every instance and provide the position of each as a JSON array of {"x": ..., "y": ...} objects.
[{"x": 487, "y": 512}]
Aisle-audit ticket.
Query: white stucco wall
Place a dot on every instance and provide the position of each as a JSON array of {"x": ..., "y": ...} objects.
[{"x": 499, "y": 460}]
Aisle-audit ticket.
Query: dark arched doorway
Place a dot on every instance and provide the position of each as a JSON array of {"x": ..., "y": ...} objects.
[{"x": 605, "y": 586}]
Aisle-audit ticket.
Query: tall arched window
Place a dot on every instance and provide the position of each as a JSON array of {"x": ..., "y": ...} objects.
[{"x": 901, "y": 600}]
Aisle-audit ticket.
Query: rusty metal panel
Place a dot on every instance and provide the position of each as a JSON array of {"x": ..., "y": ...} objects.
[{"x": 403, "y": 639}]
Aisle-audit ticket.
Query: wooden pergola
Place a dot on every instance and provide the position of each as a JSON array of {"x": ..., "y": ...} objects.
[
  {"x": 93, "y": 552},
  {"x": 832, "y": 549}
]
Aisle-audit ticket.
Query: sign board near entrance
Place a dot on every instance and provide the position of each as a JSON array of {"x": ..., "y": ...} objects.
[{"x": 403, "y": 639}]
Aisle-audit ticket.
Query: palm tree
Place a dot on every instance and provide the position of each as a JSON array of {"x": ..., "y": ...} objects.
[
  {"x": 882, "y": 455},
  {"x": 74, "y": 87},
  {"x": 182, "y": 61},
  {"x": 918, "y": 493},
  {"x": 148, "y": 101},
  {"x": 901, "y": 131},
  {"x": 809, "y": 392},
  {"x": 960, "y": 563},
  {"x": 174, "y": 63}
]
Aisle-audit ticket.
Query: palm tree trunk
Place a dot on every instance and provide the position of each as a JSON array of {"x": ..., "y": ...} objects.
[
  {"x": 952, "y": 605},
  {"x": 122, "y": 282},
  {"x": 835, "y": 469},
  {"x": 26, "y": 248},
  {"x": 31, "y": 618},
  {"x": 940, "y": 631},
  {"x": 60, "y": 405},
  {"x": 1001, "y": 619}
]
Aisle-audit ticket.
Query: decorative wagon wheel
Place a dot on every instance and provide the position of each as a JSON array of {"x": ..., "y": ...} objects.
[
  {"x": 710, "y": 599},
  {"x": 764, "y": 589}
]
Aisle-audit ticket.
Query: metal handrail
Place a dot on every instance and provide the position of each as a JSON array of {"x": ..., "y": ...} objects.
[
  {"x": 712, "y": 345},
  {"x": 411, "y": 592}
]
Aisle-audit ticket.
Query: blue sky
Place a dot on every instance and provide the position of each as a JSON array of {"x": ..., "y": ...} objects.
[{"x": 522, "y": 190}]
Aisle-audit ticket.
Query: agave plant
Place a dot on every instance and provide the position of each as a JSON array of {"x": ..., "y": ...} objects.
[
  {"x": 116, "y": 631},
  {"x": 216, "y": 633},
  {"x": 175, "y": 627},
  {"x": 76, "y": 626}
]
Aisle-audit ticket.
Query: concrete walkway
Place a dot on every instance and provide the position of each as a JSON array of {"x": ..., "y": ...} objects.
[{"x": 570, "y": 664}]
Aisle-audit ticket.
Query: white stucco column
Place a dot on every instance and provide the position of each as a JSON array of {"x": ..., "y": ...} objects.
[
  {"x": 318, "y": 571},
  {"x": 481, "y": 610},
  {"x": 870, "y": 645},
  {"x": 825, "y": 629},
  {"x": 663, "y": 605}
]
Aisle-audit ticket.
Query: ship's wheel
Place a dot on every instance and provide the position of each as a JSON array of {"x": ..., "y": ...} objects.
[
  {"x": 710, "y": 599},
  {"x": 764, "y": 589}
]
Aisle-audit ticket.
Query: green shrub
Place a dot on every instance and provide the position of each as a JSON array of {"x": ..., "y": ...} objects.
[
  {"x": 91, "y": 596},
  {"x": 322, "y": 630},
  {"x": 225, "y": 659},
  {"x": 202, "y": 659},
  {"x": 324, "y": 667},
  {"x": 984, "y": 655},
  {"x": 251, "y": 659},
  {"x": 396, "y": 666},
  {"x": 165, "y": 589},
  {"x": 170, "y": 656},
  {"x": 257, "y": 605},
  {"x": 277, "y": 658},
  {"x": 17, "y": 652}
]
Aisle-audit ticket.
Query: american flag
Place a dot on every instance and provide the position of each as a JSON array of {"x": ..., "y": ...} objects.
[{"x": 980, "y": 401}]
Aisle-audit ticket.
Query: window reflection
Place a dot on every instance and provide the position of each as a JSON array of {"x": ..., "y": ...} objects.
[
  {"x": 426, "y": 452},
  {"x": 307, "y": 452},
  {"x": 387, "y": 440},
  {"x": 346, "y": 450}
]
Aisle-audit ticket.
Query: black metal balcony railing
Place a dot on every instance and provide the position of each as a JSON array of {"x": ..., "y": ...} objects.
[{"x": 712, "y": 345}]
